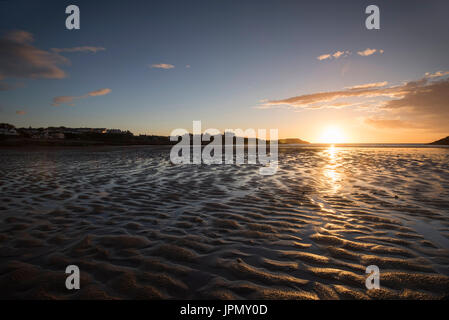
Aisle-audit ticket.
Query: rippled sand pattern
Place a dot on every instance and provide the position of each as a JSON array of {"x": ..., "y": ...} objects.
[{"x": 139, "y": 227}]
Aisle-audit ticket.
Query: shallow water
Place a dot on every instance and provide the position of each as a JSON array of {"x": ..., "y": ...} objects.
[{"x": 139, "y": 227}]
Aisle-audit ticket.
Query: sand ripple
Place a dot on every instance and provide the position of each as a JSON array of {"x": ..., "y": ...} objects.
[{"x": 139, "y": 227}]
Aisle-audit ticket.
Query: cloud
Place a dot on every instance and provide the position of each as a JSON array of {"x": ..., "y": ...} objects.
[
  {"x": 369, "y": 85},
  {"x": 369, "y": 52},
  {"x": 338, "y": 54},
  {"x": 20, "y": 112},
  {"x": 437, "y": 74},
  {"x": 57, "y": 101},
  {"x": 20, "y": 59},
  {"x": 343, "y": 54},
  {"x": 100, "y": 92},
  {"x": 324, "y": 57},
  {"x": 70, "y": 100},
  {"x": 339, "y": 105},
  {"x": 310, "y": 100},
  {"x": 335, "y": 55},
  {"x": 423, "y": 103},
  {"x": 79, "y": 49},
  {"x": 389, "y": 123},
  {"x": 423, "y": 98},
  {"x": 162, "y": 66},
  {"x": 4, "y": 86},
  {"x": 19, "y": 36}
]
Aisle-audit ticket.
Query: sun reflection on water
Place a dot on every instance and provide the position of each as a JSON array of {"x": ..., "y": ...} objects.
[{"x": 330, "y": 171}]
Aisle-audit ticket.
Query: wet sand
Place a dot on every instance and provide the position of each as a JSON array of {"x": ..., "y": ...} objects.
[{"x": 140, "y": 227}]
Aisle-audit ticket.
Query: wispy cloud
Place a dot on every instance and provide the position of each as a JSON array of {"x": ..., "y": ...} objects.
[
  {"x": 324, "y": 56},
  {"x": 20, "y": 59},
  {"x": 19, "y": 36},
  {"x": 79, "y": 49},
  {"x": 57, "y": 101},
  {"x": 162, "y": 66},
  {"x": 369, "y": 52},
  {"x": 369, "y": 85},
  {"x": 335, "y": 55},
  {"x": 338, "y": 54},
  {"x": 311, "y": 101},
  {"x": 70, "y": 100},
  {"x": 346, "y": 53},
  {"x": 436, "y": 74},
  {"x": 100, "y": 92}
]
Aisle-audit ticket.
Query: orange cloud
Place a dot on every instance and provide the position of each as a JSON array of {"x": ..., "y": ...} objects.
[
  {"x": 100, "y": 92},
  {"x": 69, "y": 100},
  {"x": 307, "y": 100},
  {"x": 368, "y": 52},
  {"x": 423, "y": 103},
  {"x": 389, "y": 123},
  {"x": 162, "y": 66},
  {"x": 324, "y": 57},
  {"x": 437, "y": 74},
  {"x": 369, "y": 85},
  {"x": 334, "y": 55}
]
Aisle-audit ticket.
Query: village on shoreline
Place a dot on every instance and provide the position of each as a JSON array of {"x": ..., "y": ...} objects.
[{"x": 64, "y": 136}]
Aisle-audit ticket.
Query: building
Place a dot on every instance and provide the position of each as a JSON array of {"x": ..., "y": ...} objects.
[
  {"x": 8, "y": 132},
  {"x": 114, "y": 131},
  {"x": 7, "y": 129}
]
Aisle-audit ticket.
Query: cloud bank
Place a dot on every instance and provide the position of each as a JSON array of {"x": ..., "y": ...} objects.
[{"x": 423, "y": 103}]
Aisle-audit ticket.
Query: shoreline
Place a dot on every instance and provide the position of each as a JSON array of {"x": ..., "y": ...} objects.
[{"x": 92, "y": 144}]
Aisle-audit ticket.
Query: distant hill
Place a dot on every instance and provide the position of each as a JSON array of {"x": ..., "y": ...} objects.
[
  {"x": 444, "y": 141},
  {"x": 292, "y": 141}
]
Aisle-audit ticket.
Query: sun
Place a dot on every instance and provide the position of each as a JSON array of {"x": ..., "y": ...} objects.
[{"x": 332, "y": 134}]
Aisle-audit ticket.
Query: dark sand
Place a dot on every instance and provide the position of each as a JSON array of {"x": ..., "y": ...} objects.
[{"x": 139, "y": 227}]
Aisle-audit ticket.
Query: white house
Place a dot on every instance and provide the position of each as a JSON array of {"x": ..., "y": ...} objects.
[{"x": 8, "y": 132}]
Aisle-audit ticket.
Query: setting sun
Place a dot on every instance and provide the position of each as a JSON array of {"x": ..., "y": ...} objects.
[{"x": 332, "y": 134}]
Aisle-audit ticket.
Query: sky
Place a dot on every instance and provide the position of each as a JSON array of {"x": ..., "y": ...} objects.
[{"x": 310, "y": 69}]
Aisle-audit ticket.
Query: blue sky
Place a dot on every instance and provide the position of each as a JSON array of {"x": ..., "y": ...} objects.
[{"x": 241, "y": 54}]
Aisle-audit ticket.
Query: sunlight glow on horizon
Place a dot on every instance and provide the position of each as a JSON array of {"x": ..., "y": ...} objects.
[{"x": 332, "y": 134}]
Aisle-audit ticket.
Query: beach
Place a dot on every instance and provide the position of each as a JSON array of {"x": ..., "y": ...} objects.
[{"x": 140, "y": 227}]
